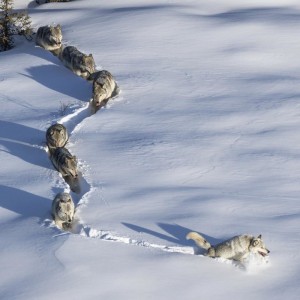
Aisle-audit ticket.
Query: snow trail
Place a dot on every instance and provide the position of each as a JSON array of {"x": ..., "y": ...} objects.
[
  {"x": 106, "y": 235},
  {"x": 72, "y": 119},
  {"x": 82, "y": 188},
  {"x": 72, "y": 122}
]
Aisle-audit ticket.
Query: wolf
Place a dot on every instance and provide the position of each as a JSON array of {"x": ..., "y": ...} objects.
[
  {"x": 49, "y": 1},
  {"x": 63, "y": 210},
  {"x": 104, "y": 87},
  {"x": 56, "y": 136},
  {"x": 81, "y": 64},
  {"x": 237, "y": 248},
  {"x": 64, "y": 162},
  {"x": 49, "y": 37}
]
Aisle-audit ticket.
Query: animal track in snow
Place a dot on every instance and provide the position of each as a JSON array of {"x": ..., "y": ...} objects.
[{"x": 73, "y": 122}]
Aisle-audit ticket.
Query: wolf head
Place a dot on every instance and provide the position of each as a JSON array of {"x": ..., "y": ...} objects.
[
  {"x": 99, "y": 94},
  {"x": 64, "y": 207},
  {"x": 257, "y": 246},
  {"x": 103, "y": 86},
  {"x": 55, "y": 37},
  {"x": 88, "y": 63},
  {"x": 56, "y": 135}
]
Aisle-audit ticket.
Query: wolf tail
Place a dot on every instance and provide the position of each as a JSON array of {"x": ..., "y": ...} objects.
[{"x": 199, "y": 240}]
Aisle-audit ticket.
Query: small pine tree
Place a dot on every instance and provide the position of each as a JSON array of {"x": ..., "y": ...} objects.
[
  {"x": 6, "y": 40},
  {"x": 12, "y": 23}
]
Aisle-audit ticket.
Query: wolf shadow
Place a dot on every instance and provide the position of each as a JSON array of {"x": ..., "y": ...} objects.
[{"x": 174, "y": 233}]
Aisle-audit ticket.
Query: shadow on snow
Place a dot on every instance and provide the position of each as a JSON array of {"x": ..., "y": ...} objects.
[
  {"x": 24, "y": 203},
  {"x": 22, "y": 141},
  {"x": 274, "y": 15},
  {"x": 174, "y": 233},
  {"x": 62, "y": 80}
]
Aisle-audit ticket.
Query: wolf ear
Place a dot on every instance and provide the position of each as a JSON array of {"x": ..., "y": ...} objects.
[
  {"x": 259, "y": 237},
  {"x": 90, "y": 55}
]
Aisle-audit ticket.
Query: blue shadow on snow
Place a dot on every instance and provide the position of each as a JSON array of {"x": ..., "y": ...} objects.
[{"x": 175, "y": 233}]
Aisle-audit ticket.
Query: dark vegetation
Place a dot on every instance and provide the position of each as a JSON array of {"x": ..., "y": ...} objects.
[{"x": 12, "y": 23}]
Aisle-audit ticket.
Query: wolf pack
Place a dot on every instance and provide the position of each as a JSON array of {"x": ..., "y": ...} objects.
[{"x": 104, "y": 87}]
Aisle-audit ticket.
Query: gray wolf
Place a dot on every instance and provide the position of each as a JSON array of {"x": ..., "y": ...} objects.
[
  {"x": 49, "y": 1},
  {"x": 56, "y": 136},
  {"x": 49, "y": 37},
  {"x": 64, "y": 162},
  {"x": 63, "y": 210},
  {"x": 237, "y": 248},
  {"x": 81, "y": 64},
  {"x": 104, "y": 87}
]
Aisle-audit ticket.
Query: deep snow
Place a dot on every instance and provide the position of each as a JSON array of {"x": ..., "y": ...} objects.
[{"x": 203, "y": 137}]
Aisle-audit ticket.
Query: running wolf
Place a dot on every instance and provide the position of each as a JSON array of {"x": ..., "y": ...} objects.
[
  {"x": 236, "y": 248},
  {"x": 63, "y": 210},
  {"x": 64, "y": 162},
  {"x": 81, "y": 64},
  {"x": 49, "y": 37},
  {"x": 104, "y": 87},
  {"x": 56, "y": 136}
]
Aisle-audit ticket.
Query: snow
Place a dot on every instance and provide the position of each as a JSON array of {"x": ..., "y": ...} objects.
[{"x": 203, "y": 137}]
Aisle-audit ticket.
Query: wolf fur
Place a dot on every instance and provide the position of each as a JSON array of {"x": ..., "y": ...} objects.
[
  {"x": 56, "y": 136},
  {"x": 63, "y": 210},
  {"x": 237, "y": 248},
  {"x": 64, "y": 162},
  {"x": 104, "y": 87},
  {"x": 49, "y": 1},
  {"x": 81, "y": 64},
  {"x": 49, "y": 37}
]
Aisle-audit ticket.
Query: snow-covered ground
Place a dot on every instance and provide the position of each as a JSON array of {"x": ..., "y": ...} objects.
[{"x": 204, "y": 136}]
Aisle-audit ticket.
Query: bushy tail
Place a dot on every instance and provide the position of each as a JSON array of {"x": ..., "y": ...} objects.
[{"x": 199, "y": 240}]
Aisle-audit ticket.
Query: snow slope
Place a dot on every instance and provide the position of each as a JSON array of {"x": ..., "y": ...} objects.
[{"x": 203, "y": 137}]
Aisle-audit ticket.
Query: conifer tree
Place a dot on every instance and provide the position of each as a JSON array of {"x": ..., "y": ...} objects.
[{"x": 12, "y": 23}]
